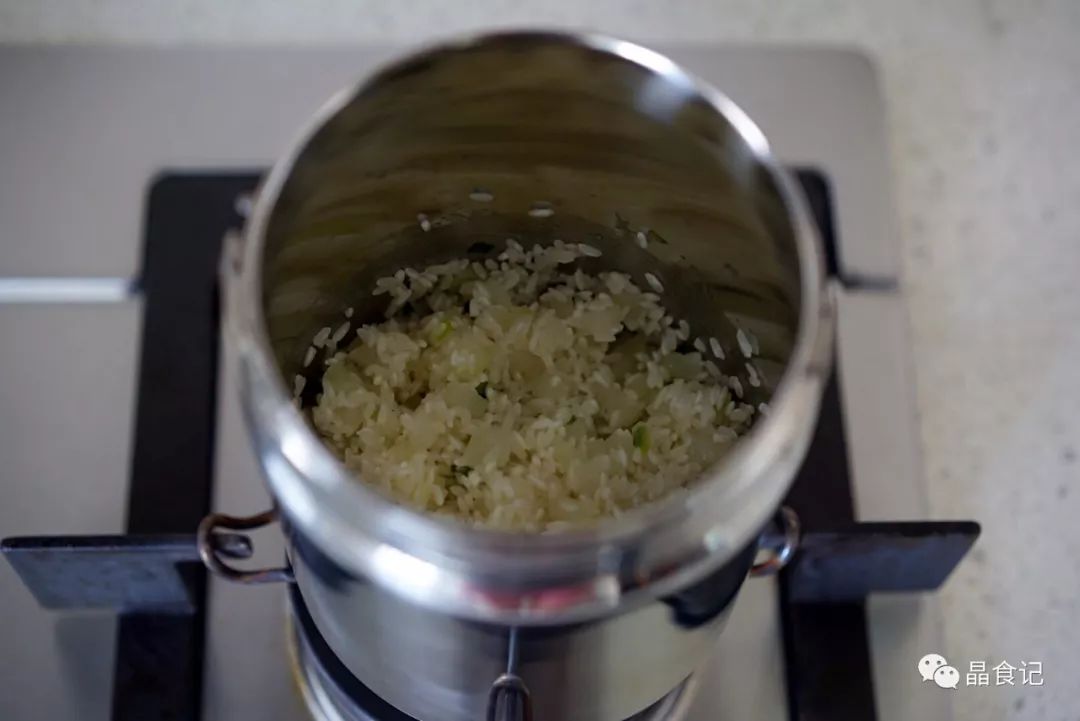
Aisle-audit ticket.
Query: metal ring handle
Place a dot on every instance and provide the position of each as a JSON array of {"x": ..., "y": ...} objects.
[
  {"x": 509, "y": 700},
  {"x": 780, "y": 553},
  {"x": 211, "y": 555}
]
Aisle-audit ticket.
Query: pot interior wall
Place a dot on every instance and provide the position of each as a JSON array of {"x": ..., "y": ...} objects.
[{"x": 612, "y": 148}]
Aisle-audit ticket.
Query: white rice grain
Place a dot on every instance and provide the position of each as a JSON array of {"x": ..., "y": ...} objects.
[
  {"x": 668, "y": 341},
  {"x": 752, "y": 376},
  {"x": 654, "y": 282},
  {"x": 321, "y": 337},
  {"x": 480, "y": 195},
  {"x": 340, "y": 333},
  {"x": 744, "y": 343},
  {"x": 717, "y": 349},
  {"x": 425, "y": 224},
  {"x": 309, "y": 356}
]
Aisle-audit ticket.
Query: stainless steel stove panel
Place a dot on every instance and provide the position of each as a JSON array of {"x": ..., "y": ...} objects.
[
  {"x": 66, "y": 395},
  {"x": 121, "y": 114}
]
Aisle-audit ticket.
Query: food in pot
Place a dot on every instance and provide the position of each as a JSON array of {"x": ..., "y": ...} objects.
[{"x": 522, "y": 393}]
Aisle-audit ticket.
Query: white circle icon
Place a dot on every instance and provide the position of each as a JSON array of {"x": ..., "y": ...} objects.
[
  {"x": 947, "y": 677},
  {"x": 930, "y": 663}
]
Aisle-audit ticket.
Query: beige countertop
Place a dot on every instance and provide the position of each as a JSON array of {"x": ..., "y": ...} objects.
[{"x": 984, "y": 108}]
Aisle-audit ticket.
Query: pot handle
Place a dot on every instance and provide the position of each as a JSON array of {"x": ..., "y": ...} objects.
[
  {"x": 708, "y": 598},
  {"x": 212, "y": 559},
  {"x": 508, "y": 699},
  {"x": 781, "y": 545}
]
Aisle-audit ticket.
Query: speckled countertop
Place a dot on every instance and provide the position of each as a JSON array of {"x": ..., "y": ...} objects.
[{"x": 984, "y": 110}]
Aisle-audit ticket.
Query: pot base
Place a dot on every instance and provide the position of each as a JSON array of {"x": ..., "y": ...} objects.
[{"x": 332, "y": 693}]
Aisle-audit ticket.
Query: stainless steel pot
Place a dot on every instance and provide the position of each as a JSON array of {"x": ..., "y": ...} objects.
[{"x": 616, "y": 140}]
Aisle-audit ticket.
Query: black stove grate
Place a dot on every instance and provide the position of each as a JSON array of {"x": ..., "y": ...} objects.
[
  {"x": 160, "y": 645},
  {"x": 159, "y": 657}
]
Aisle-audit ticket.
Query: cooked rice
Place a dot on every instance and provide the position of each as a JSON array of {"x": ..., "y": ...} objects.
[
  {"x": 745, "y": 345},
  {"x": 683, "y": 330},
  {"x": 752, "y": 376},
  {"x": 525, "y": 397},
  {"x": 321, "y": 337},
  {"x": 654, "y": 282},
  {"x": 541, "y": 210},
  {"x": 717, "y": 349},
  {"x": 340, "y": 333}
]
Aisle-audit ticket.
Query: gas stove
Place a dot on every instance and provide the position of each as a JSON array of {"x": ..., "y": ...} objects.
[{"x": 167, "y": 145}]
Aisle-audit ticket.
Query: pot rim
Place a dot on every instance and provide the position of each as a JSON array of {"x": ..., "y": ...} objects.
[{"x": 530, "y": 578}]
